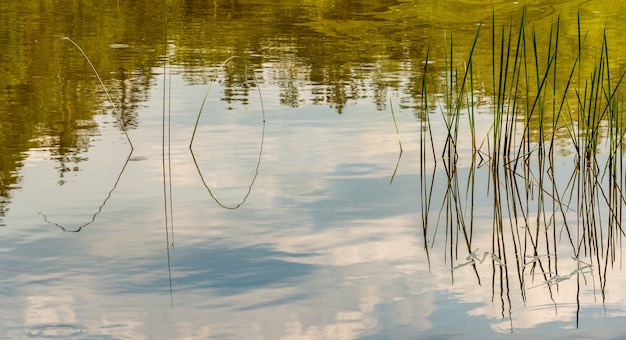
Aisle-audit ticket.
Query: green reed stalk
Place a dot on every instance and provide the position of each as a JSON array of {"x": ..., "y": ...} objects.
[
  {"x": 498, "y": 101},
  {"x": 555, "y": 113},
  {"x": 461, "y": 91},
  {"x": 570, "y": 124},
  {"x": 553, "y": 129},
  {"x": 450, "y": 116},
  {"x": 471, "y": 179},
  {"x": 395, "y": 123},
  {"x": 519, "y": 68},
  {"x": 426, "y": 189},
  {"x": 536, "y": 102},
  {"x": 117, "y": 113},
  {"x": 425, "y": 108},
  {"x": 256, "y": 171}
]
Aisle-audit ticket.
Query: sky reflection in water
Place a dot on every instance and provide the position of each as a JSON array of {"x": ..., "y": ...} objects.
[{"x": 324, "y": 248}]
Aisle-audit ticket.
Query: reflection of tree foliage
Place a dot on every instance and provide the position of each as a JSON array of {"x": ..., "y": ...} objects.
[
  {"x": 236, "y": 82},
  {"x": 130, "y": 89},
  {"x": 48, "y": 95},
  {"x": 327, "y": 52}
]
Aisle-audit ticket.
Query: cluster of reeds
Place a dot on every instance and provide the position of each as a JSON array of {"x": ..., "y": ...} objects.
[{"x": 538, "y": 203}]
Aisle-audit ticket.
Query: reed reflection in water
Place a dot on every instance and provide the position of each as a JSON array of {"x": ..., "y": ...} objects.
[
  {"x": 503, "y": 211},
  {"x": 556, "y": 221}
]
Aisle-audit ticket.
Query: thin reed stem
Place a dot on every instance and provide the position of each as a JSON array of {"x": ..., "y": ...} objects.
[{"x": 117, "y": 113}]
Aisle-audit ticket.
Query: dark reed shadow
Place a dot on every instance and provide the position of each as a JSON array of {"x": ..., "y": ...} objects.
[
  {"x": 258, "y": 163},
  {"x": 427, "y": 184},
  {"x": 166, "y": 162},
  {"x": 395, "y": 170},
  {"x": 98, "y": 211}
]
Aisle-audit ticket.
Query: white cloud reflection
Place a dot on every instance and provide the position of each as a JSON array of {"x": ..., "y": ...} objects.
[{"x": 322, "y": 250}]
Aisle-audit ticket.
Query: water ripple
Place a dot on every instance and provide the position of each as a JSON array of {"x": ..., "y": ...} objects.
[{"x": 60, "y": 331}]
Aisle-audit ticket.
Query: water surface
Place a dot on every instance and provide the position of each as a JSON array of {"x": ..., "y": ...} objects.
[{"x": 336, "y": 233}]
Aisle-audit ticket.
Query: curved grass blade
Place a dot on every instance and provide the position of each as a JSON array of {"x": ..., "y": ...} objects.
[
  {"x": 121, "y": 122},
  {"x": 117, "y": 113},
  {"x": 256, "y": 173}
]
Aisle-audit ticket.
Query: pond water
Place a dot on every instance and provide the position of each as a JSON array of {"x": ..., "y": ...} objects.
[{"x": 286, "y": 204}]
